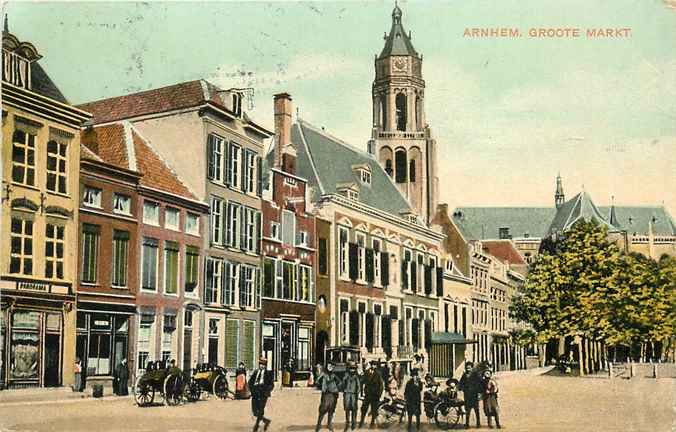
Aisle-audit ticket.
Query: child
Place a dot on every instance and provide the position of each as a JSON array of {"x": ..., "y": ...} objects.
[{"x": 491, "y": 408}]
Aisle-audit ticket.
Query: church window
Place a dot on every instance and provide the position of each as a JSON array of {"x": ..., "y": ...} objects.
[
  {"x": 411, "y": 170},
  {"x": 388, "y": 167},
  {"x": 418, "y": 112},
  {"x": 383, "y": 113},
  {"x": 400, "y": 166},
  {"x": 400, "y": 102}
]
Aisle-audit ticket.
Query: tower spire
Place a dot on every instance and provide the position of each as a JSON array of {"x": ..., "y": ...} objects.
[
  {"x": 5, "y": 28},
  {"x": 559, "y": 197}
]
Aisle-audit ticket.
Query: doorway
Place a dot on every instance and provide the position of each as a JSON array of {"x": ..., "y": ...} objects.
[
  {"x": 320, "y": 347},
  {"x": 52, "y": 356}
]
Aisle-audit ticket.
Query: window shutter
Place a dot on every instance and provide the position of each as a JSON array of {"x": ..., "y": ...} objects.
[
  {"x": 384, "y": 269},
  {"x": 211, "y": 171},
  {"x": 209, "y": 281},
  {"x": 246, "y": 154},
  {"x": 225, "y": 283},
  {"x": 257, "y": 286},
  {"x": 353, "y": 261},
  {"x": 402, "y": 323},
  {"x": 228, "y": 227},
  {"x": 369, "y": 331},
  {"x": 404, "y": 275},
  {"x": 386, "y": 335},
  {"x": 414, "y": 276},
  {"x": 259, "y": 230},
  {"x": 428, "y": 279},
  {"x": 415, "y": 332},
  {"x": 242, "y": 291},
  {"x": 242, "y": 168},
  {"x": 354, "y": 327},
  {"x": 369, "y": 265},
  {"x": 440, "y": 281},
  {"x": 259, "y": 176},
  {"x": 227, "y": 178},
  {"x": 428, "y": 334},
  {"x": 242, "y": 227}
]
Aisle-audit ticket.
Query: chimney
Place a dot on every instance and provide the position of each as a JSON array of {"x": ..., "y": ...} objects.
[{"x": 285, "y": 152}]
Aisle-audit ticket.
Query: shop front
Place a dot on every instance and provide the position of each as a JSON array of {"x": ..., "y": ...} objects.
[
  {"x": 102, "y": 341},
  {"x": 288, "y": 341}
]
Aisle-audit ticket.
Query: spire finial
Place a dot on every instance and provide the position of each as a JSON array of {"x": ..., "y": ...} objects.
[
  {"x": 396, "y": 13},
  {"x": 5, "y": 27}
]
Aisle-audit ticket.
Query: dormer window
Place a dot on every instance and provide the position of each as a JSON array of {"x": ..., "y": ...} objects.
[
  {"x": 449, "y": 265},
  {"x": 365, "y": 177},
  {"x": 363, "y": 173},
  {"x": 237, "y": 104},
  {"x": 349, "y": 190},
  {"x": 16, "y": 69},
  {"x": 353, "y": 194}
]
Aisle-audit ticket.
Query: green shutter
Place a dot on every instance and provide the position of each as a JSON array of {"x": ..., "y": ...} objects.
[
  {"x": 231, "y": 342},
  {"x": 248, "y": 344}
]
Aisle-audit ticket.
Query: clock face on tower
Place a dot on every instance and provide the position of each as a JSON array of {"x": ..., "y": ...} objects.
[{"x": 400, "y": 64}]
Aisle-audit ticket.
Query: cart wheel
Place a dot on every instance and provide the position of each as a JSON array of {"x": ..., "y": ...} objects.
[
  {"x": 192, "y": 391},
  {"x": 173, "y": 389},
  {"x": 220, "y": 387},
  {"x": 446, "y": 415},
  {"x": 144, "y": 394}
]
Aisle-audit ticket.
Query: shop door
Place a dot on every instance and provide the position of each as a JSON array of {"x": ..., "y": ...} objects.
[
  {"x": 287, "y": 350},
  {"x": 187, "y": 349},
  {"x": 52, "y": 354}
]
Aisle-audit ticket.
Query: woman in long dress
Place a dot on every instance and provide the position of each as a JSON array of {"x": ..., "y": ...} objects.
[{"x": 241, "y": 387}]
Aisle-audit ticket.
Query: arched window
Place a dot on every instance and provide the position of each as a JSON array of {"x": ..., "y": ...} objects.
[
  {"x": 400, "y": 166},
  {"x": 411, "y": 170},
  {"x": 383, "y": 113},
  {"x": 418, "y": 113},
  {"x": 400, "y": 102},
  {"x": 388, "y": 167}
]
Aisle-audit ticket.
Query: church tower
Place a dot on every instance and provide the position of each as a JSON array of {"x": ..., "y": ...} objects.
[
  {"x": 401, "y": 139},
  {"x": 559, "y": 197}
]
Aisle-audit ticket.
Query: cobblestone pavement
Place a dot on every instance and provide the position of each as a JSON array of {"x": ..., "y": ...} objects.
[{"x": 528, "y": 403}]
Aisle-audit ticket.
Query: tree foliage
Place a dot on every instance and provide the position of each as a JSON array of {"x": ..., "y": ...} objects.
[{"x": 583, "y": 285}]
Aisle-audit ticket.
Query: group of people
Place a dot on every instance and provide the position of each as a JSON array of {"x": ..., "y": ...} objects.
[
  {"x": 478, "y": 384},
  {"x": 120, "y": 377}
]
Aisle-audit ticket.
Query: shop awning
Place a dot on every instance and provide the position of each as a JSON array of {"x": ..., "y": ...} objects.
[
  {"x": 449, "y": 338},
  {"x": 120, "y": 308}
]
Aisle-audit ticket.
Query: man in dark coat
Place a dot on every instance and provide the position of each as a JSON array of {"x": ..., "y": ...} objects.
[
  {"x": 261, "y": 384},
  {"x": 412, "y": 396},
  {"x": 372, "y": 389},
  {"x": 121, "y": 378},
  {"x": 331, "y": 384},
  {"x": 470, "y": 384},
  {"x": 350, "y": 395}
]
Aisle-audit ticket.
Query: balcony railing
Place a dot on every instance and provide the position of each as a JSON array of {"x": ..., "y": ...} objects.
[{"x": 401, "y": 135}]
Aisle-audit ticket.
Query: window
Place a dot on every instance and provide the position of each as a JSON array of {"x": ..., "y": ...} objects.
[
  {"x": 233, "y": 174},
  {"x": 145, "y": 338},
  {"x": 411, "y": 170},
  {"x": 504, "y": 233},
  {"x": 216, "y": 221},
  {"x": 90, "y": 242},
  {"x": 54, "y": 249},
  {"x": 407, "y": 266},
  {"x": 149, "y": 266},
  {"x": 289, "y": 281},
  {"x": 213, "y": 280},
  {"x": 237, "y": 105},
  {"x": 275, "y": 231},
  {"x": 344, "y": 321},
  {"x": 269, "y": 265},
  {"x": 56, "y": 166},
  {"x": 121, "y": 204},
  {"x": 172, "y": 218},
  {"x": 249, "y": 172},
  {"x": 353, "y": 195},
  {"x": 343, "y": 251},
  {"x": 191, "y": 268},
  {"x": 400, "y": 111},
  {"x": 151, "y": 213},
  {"x": 91, "y": 197},
  {"x": 388, "y": 167},
  {"x": 246, "y": 296},
  {"x": 233, "y": 233},
  {"x": 303, "y": 349},
  {"x": 400, "y": 166},
  {"x": 120, "y": 248},
  {"x": 231, "y": 283},
  {"x": 376, "y": 245},
  {"x": 302, "y": 238},
  {"x": 305, "y": 283},
  {"x": 365, "y": 177},
  {"x": 215, "y": 158},
  {"x": 449, "y": 265},
  {"x": 377, "y": 324},
  {"x": 170, "y": 267},
  {"x": 288, "y": 227},
  {"x": 279, "y": 280},
  {"x": 323, "y": 257},
  {"x": 249, "y": 230},
  {"x": 21, "y": 255},
  {"x": 361, "y": 257},
  {"x": 192, "y": 224},
  {"x": 23, "y": 158}
]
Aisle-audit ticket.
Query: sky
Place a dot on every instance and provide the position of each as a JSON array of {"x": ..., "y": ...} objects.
[{"x": 508, "y": 114}]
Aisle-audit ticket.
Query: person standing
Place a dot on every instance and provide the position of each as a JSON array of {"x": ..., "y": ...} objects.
[
  {"x": 327, "y": 404},
  {"x": 241, "y": 388},
  {"x": 350, "y": 396},
  {"x": 471, "y": 388},
  {"x": 261, "y": 384},
  {"x": 412, "y": 396},
  {"x": 77, "y": 371},
  {"x": 122, "y": 378},
  {"x": 372, "y": 389},
  {"x": 491, "y": 408}
]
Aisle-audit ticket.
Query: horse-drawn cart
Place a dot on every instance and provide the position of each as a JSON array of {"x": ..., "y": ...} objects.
[
  {"x": 160, "y": 378},
  {"x": 211, "y": 380}
]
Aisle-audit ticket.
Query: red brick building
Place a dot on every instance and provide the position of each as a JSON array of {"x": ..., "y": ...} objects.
[
  {"x": 168, "y": 249},
  {"x": 288, "y": 306},
  {"x": 107, "y": 266}
]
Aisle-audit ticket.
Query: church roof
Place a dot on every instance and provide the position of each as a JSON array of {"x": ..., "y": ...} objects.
[
  {"x": 397, "y": 42},
  {"x": 479, "y": 223},
  {"x": 327, "y": 162},
  {"x": 636, "y": 219},
  {"x": 580, "y": 207}
]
